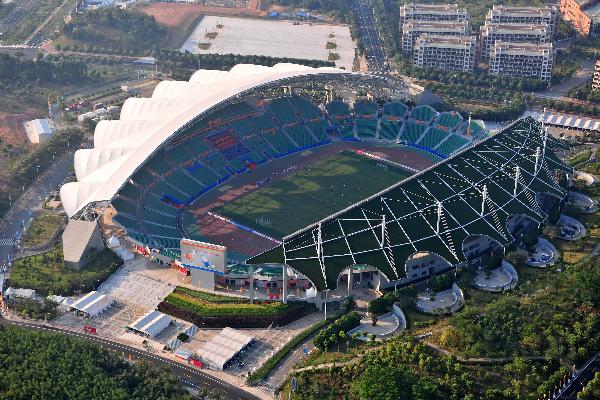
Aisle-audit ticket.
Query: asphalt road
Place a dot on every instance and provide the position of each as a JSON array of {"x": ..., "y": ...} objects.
[
  {"x": 586, "y": 375},
  {"x": 368, "y": 32},
  {"x": 28, "y": 205},
  {"x": 189, "y": 375},
  {"x": 557, "y": 91},
  {"x": 15, "y": 16}
]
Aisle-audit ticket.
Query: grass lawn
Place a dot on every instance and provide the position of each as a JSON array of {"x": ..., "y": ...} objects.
[
  {"x": 41, "y": 229},
  {"x": 47, "y": 274},
  {"x": 312, "y": 193}
]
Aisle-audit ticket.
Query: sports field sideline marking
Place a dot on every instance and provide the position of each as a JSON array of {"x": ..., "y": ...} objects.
[
  {"x": 373, "y": 156},
  {"x": 243, "y": 227}
]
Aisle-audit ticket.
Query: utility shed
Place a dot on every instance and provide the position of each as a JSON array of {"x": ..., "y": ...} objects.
[
  {"x": 39, "y": 130},
  {"x": 81, "y": 241}
]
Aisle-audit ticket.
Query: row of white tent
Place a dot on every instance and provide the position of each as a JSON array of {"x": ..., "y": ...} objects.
[{"x": 573, "y": 122}]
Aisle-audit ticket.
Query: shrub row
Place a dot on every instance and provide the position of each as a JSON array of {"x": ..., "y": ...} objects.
[
  {"x": 209, "y": 297},
  {"x": 331, "y": 334},
  {"x": 204, "y": 308},
  {"x": 272, "y": 362},
  {"x": 241, "y": 318}
]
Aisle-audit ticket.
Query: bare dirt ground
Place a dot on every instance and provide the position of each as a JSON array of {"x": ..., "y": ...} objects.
[
  {"x": 12, "y": 130},
  {"x": 177, "y": 14}
]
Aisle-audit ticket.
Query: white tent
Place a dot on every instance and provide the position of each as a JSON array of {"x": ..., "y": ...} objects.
[
  {"x": 223, "y": 347},
  {"x": 92, "y": 304},
  {"x": 151, "y": 323}
]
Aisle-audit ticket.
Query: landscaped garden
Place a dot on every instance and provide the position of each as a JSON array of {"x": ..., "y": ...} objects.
[
  {"x": 41, "y": 230},
  {"x": 47, "y": 274},
  {"x": 208, "y": 309},
  {"x": 551, "y": 316}
]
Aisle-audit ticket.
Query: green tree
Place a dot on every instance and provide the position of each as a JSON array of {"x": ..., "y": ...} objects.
[
  {"x": 591, "y": 391},
  {"x": 384, "y": 382}
]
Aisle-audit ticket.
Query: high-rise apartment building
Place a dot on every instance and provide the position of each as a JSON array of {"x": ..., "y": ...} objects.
[
  {"x": 544, "y": 15},
  {"x": 413, "y": 29},
  {"x": 522, "y": 60},
  {"x": 584, "y": 15},
  {"x": 431, "y": 12},
  {"x": 596, "y": 80},
  {"x": 450, "y": 53},
  {"x": 512, "y": 33}
]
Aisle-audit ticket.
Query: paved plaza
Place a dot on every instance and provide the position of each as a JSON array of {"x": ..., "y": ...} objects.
[
  {"x": 248, "y": 36},
  {"x": 386, "y": 324},
  {"x": 142, "y": 283}
]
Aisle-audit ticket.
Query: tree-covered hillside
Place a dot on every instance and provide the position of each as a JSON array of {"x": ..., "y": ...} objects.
[
  {"x": 114, "y": 31},
  {"x": 35, "y": 366}
]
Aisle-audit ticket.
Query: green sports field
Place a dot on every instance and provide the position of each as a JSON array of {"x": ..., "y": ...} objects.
[{"x": 308, "y": 195}]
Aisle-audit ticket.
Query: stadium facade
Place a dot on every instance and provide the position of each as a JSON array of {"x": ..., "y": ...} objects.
[{"x": 167, "y": 151}]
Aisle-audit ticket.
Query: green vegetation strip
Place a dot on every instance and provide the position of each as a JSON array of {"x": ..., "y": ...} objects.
[
  {"x": 211, "y": 305},
  {"x": 41, "y": 229},
  {"x": 46, "y": 273},
  {"x": 272, "y": 362}
]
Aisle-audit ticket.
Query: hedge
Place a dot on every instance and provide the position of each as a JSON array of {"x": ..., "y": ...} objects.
[
  {"x": 272, "y": 362},
  {"x": 345, "y": 323}
]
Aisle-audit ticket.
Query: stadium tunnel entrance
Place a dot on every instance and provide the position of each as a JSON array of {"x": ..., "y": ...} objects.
[{"x": 481, "y": 250}]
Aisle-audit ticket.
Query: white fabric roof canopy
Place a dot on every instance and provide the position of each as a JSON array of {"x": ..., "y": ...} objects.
[
  {"x": 147, "y": 123},
  {"x": 223, "y": 347},
  {"x": 151, "y": 323}
]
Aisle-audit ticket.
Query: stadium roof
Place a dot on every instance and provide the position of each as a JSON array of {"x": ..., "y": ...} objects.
[
  {"x": 471, "y": 193},
  {"x": 145, "y": 124}
]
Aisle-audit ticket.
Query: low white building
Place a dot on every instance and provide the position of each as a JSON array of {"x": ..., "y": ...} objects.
[
  {"x": 39, "y": 130},
  {"x": 12, "y": 293}
]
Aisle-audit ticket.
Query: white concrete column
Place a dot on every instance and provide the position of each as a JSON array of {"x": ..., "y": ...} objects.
[
  {"x": 285, "y": 284},
  {"x": 251, "y": 273},
  {"x": 350, "y": 280}
]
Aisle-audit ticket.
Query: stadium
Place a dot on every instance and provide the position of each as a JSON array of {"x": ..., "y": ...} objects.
[{"x": 319, "y": 169}]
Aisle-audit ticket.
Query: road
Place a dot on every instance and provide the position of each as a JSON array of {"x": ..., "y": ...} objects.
[
  {"x": 557, "y": 91},
  {"x": 54, "y": 22},
  {"x": 587, "y": 374},
  {"x": 15, "y": 16},
  {"x": 368, "y": 32},
  {"x": 189, "y": 375},
  {"x": 29, "y": 203}
]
